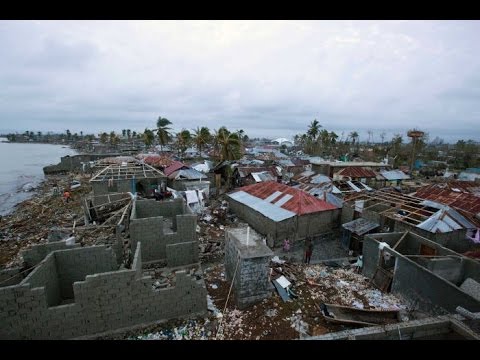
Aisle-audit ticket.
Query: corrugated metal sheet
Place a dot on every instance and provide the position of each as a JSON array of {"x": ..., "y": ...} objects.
[
  {"x": 300, "y": 203},
  {"x": 320, "y": 179},
  {"x": 330, "y": 198},
  {"x": 176, "y": 165},
  {"x": 283, "y": 200},
  {"x": 360, "y": 226},
  {"x": 263, "y": 207},
  {"x": 357, "y": 172},
  {"x": 353, "y": 186},
  {"x": 394, "y": 175},
  {"x": 273, "y": 196},
  {"x": 189, "y": 174},
  {"x": 458, "y": 200}
]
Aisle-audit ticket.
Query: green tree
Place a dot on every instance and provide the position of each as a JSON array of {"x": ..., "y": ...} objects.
[
  {"x": 104, "y": 138},
  {"x": 163, "y": 131},
  {"x": 69, "y": 135},
  {"x": 134, "y": 134},
  {"x": 227, "y": 144},
  {"x": 201, "y": 138},
  {"x": 148, "y": 137},
  {"x": 183, "y": 140},
  {"x": 354, "y": 136},
  {"x": 129, "y": 133},
  {"x": 114, "y": 140},
  {"x": 314, "y": 129}
]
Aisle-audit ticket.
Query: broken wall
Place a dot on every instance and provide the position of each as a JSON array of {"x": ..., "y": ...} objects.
[
  {"x": 103, "y": 302},
  {"x": 414, "y": 282},
  {"x": 454, "y": 240},
  {"x": 347, "y": 213},
  {"x": 182, "y": 244},
  {"x": 37, "y": 253}
]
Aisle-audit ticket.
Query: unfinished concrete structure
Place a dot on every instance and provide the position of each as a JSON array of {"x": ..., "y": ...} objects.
[
  {"x": 432, "y": 277},
  {"x": 399, "y": 212},
  {"x": 78, "y": 292},
  {"x": 132, "y": 178},
  {"x": 279, "y": 211},
  {"x": 167, "y": 231},
  {"x": 73, "y": 163},
  {"x": 247, "y": 262}
]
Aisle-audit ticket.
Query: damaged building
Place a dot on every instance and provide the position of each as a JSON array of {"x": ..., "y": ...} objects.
[
  {"x": 279, "y": 211},
  {"x": 394, "y": 211},
  {"x": 121, "y": 178},
  {"x": 428, "y": 275},
  {"x": 77, "y": 292}
]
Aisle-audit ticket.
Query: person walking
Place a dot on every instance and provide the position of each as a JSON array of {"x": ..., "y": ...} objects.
[
  {"x": 308, "y": 249},
  {"x": 286, "y": 245}
]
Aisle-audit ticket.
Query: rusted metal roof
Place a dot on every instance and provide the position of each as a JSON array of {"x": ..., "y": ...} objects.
[
  {"x": 357, "y": 172},
  {"x": 288, "y": 198},
  {"x": 447, "y": 196},
  {"x": 174, "y": 166}
]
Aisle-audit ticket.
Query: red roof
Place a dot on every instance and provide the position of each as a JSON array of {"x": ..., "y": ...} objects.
[
  {"x": 444, "y": 195},
  {"x": 301, "y": 203},
  {"x": 357, "y": 172},
  {"x": 174, "y": 166}
]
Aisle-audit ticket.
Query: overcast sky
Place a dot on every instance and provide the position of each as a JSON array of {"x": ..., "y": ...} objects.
[{"x": 269, "y": 78}]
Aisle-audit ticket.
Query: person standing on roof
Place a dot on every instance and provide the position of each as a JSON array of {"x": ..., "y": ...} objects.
[{"x": 308, "y": 249}]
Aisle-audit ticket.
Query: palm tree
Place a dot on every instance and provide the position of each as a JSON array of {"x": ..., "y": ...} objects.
[
  {"x": 201, "y": 137},
  {"x": 134, "y": 134},
  {"x": 227, "y": 144},
  {"x": 184, "y": 139},
  {"x": 314, "y": 129},
  {"x": 129, "y": 132},
  {"x": 163, "y": 131},
  {"x": 124, "y": 132},
  {"x": 148, "y": 137},
  {"x": 69, "y": 134},
  {"x": 354, "y": 136}
]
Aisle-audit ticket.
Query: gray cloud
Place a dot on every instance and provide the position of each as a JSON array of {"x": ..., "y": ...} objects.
[{"x": 270, "y": 78}]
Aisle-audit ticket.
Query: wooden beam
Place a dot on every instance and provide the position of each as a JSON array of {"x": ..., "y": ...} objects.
[{"x": 400, "y": 240}]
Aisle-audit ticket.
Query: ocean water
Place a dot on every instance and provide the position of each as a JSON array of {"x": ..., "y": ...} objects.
[{"x": 21, "y": 170}]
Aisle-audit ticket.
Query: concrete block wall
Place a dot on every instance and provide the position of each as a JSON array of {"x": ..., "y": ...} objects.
[
  {"x": 416, "y": 283},
  {"x": 11, "y": 276},
  {"x": 37, "y": 253},
  {"x": 103, "y": 302},
  {"x": 181, "y": 254},
  {"x": 150, "y": 232},
  {"x": 454, "y": 240},
  {"x": 295, "y": 228},
  {"x": 76, "y": 264},
  {"x": 152, "y": 208},
  {"x": 46, "y": 276},
  {"x": 347, "y": 213},
  {"x": 251, "y": 278},
  {"x": 147, "y": 226},
  {"x": 413, "y": 282}
]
